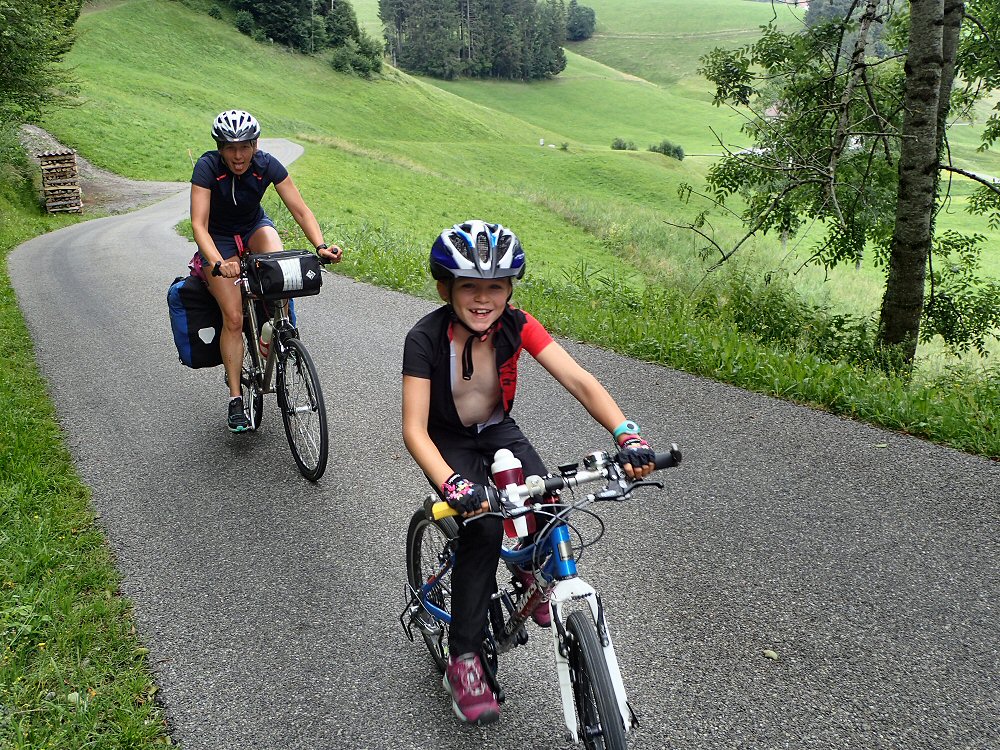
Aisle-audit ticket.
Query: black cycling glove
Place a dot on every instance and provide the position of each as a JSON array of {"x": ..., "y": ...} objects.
[
  {"x": 463, "y": 495},
  {"x": 636, "y": 451}
]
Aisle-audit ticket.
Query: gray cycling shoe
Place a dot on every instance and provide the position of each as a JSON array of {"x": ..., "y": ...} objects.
[{"x": 237, "y": 421}]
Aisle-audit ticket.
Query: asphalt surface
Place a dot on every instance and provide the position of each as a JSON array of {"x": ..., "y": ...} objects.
[{"x": 865, "y": 559}]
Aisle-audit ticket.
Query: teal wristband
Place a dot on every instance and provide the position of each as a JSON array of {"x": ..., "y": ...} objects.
[{"x": 628, "y": 427}]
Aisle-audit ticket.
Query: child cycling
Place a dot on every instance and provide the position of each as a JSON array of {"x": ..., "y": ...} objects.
[
  {"x": 227, "y": 186},
  {"x": 459, "y": 380}
]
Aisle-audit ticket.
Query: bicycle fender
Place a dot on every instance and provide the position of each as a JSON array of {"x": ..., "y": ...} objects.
[{"x": 570, "y": 590}]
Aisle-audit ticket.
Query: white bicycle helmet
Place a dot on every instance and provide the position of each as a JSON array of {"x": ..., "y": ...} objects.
[
  {"x": 476, "y": 249},
  {"x": 235, "y": 126}
]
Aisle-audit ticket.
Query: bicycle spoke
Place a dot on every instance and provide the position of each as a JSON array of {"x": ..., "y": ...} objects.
[{"x": 303, "y": 411}]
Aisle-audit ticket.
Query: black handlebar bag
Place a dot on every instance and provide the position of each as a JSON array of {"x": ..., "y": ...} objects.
[{"x": 285, "y": 274}]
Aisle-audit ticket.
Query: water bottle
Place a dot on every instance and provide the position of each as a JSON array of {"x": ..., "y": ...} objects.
[
  {"x": 508, "y": 472},
  {"x": 265, "y": 339}
]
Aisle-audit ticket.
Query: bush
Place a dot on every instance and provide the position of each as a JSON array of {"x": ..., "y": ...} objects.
[
  {"x": 215, "y": 12},
  {"x": 620, "y": 144},
  {"x": 244, "y": 22},
  {"x": 362, "y": 58},
  {"x": 667, "y": 148}
]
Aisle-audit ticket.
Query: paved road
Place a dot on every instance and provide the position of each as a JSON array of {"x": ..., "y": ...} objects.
[{"x": 866, "y": 559}]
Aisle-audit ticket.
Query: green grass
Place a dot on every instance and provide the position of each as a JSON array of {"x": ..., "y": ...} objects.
[
  {"x": 662, "y": 41},
  {"x": 72, "y": 672}
]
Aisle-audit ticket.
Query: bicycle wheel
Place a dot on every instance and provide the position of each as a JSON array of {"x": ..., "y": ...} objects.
[
  {"x": 600, "y": 722},
  {"x": 302, "y": 409},
  {"x": 427, "y": 550},
  {"x": 250, "y": 374}
]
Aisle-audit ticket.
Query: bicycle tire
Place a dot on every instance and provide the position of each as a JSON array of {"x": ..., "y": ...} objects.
[
  {"x": 598, "y": 718},
  {"x": 426, "y": 546},
  {"x": 250, "y": 387},
  {"x": 302, "y": 409}
]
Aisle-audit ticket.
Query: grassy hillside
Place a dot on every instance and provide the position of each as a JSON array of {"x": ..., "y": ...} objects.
[{"x": 662, "y": 41}]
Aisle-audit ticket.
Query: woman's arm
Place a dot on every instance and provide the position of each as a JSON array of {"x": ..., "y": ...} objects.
[
  {"x": 416, "y": 407},
  {"x": 305, "y": 218},
  {"x": 201, "y": 201}
]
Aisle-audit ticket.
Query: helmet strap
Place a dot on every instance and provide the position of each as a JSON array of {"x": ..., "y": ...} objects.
[{"x": 473, "y": 336}]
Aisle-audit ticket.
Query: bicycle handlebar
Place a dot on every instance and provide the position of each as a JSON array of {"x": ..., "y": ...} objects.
[
  {"x": 597, "y": 466},
  {"x": 216, "y": 272}
]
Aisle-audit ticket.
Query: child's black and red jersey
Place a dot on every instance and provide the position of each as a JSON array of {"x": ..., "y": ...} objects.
[
  {"x": 235, "y": 204},
  {"x": 427, "y": 354}
]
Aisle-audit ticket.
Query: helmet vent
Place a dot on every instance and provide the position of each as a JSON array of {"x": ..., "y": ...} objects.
[
  {"x": 483, "y": 248},
  {"x": 503, "y": 244},
  {"x": 461, "y": 244}
]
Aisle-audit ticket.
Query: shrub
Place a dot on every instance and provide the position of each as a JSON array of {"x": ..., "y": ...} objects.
[
  {"x": 244, "y": 22},
  {"x": 667, "y": 148},
  {"x": 215, "y": 12},
  {"x": 360, "y": 58},
  {"x": 620, "y": 144}
]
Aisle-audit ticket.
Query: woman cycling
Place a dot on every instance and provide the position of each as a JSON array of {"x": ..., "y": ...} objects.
[{"x": 227, "y": 217}]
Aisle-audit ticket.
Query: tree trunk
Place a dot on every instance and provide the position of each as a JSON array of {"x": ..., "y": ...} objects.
[{"x": 902, "y": 305}]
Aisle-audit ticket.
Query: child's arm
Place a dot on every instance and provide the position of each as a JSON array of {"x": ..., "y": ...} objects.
[
  {"x": 460, "y": 493},
  {"x": 416, "y": 407},
  {"x": 584, "y": 386},
  {"x": 589, "y": 392}
]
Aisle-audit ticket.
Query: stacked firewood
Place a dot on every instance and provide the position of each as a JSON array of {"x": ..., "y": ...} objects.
[{"x": 60, "y": 181}]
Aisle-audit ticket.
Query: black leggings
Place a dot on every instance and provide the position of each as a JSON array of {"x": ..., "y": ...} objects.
[{"x": 473, "y": 579}]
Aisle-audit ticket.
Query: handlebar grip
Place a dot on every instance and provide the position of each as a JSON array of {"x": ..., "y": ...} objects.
[
  {"x": 668, "y": 459},
  {"x": 441, "y": 509},
  {"x": 215, "y": 268}
]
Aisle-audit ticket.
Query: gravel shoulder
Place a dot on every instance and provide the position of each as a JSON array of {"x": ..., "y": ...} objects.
[{"x": 103, "y": 193}]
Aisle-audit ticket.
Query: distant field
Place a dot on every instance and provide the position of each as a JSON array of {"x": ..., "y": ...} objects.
[
  {"x": 414, "y": 154},
  {"x": 593, "y": 104},
  {"x": 662, "y": 40},
  {"x": 367, "y": 13}
]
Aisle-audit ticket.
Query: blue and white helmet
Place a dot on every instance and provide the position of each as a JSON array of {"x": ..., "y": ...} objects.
[
  {"x": 477, "y": 250},
  {"x": 235, "y": 126}
]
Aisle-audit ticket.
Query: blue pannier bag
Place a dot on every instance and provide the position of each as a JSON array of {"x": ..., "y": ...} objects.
[{"x": 196, "y": 321}]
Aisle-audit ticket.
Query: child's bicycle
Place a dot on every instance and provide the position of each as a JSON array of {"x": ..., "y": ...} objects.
[
  {"x": 593, "y": 696},
  {"x": 284, "y": 367}
]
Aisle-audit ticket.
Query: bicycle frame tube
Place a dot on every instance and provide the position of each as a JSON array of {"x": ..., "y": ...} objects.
[
  {"x": 279, "y": 320},
  {"x": 559, "y": 562},
  {"x": 436, "y": 612}
]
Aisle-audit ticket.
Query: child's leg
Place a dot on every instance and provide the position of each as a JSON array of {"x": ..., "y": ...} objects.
[{"x": 473, "y": 579}]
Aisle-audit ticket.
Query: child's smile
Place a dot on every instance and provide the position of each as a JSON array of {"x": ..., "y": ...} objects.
[{"x": 479, "y": 302}]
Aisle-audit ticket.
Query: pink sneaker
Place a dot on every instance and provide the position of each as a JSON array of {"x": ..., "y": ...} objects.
[
  {"x": 471, "y": 698},
  {"x": 542, "y": 615}
]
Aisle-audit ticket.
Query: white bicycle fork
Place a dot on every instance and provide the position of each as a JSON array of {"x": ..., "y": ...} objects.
[{"x": 576, "y": 589}]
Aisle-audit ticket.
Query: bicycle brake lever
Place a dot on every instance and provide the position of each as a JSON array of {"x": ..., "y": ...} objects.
[{"x": 645, "y": 483}]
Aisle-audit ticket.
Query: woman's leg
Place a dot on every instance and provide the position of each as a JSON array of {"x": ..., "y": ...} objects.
[{"x": 227, "y": 294}]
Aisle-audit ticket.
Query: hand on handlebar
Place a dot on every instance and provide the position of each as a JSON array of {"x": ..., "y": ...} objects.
[
  {"x": 331, "y": 254},
  {"x": 229, "y": 269},
  {"x": 468, "y": 498},
  {"x": 637, "y": 458}
]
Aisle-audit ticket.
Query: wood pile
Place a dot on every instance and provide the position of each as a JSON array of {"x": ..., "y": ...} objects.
[{"x": 60, "y": 181}]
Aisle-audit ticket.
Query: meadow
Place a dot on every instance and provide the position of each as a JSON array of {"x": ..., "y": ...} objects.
[{"x": 388, "y": 163}]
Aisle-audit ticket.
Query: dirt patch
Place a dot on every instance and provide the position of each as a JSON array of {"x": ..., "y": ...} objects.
[{"x": 103, "y": 192}]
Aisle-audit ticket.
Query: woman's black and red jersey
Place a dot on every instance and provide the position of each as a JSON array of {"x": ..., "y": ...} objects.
[
  {"x": 235, "y": 203},
  {"x": 427, "y": 354}
]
